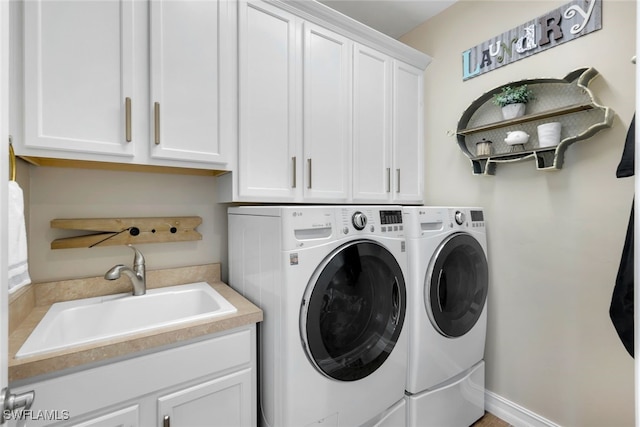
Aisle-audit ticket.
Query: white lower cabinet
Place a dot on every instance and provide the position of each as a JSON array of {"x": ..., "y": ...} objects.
[
  {"x": 220, "y": 402},
  {"x": 126, "y": 417},
  {"x": 205, "y": 383}
]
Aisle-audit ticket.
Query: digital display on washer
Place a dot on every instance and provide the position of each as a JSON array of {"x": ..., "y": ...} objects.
[
  {"x": 477, "y": 216},
  {"x": 390, "y": 217}
]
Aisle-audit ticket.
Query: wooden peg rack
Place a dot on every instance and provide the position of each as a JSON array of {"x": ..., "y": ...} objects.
[{"x": 125, "y": 231}]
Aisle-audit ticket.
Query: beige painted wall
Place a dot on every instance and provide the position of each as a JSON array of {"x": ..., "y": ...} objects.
[
  {"x": 554, "y": 238},
  {"x": 80, "y": 193}
]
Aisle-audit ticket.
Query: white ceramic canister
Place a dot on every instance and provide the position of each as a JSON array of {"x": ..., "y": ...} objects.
[{"x": 549, "y": 134}]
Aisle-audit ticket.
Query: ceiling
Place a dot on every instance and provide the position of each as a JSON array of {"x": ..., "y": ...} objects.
[{"x": 391, "y": 17}]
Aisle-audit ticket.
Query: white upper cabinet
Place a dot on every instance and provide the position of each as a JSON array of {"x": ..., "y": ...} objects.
[
  {"x": 190, "y": 105},
  {"x": 388, "y": 134},
  {"x": 408, "y": 134},
  {"x": 294, "y": 123},
  {"x": 371, "y": 125},
  {"x": 150, "y": 83},
  {"x": 268, "y": 157},
  {"x": 324, "y": 103},
  {"x": 327, "y": 114},
  {"x": 302, "y": 104},
  {"x": 78, "y": 65}
]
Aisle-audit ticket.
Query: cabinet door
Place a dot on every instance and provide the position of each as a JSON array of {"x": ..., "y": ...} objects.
[
  {"x": 223, "y": 402},
  {"x": 371, "y": 125},
  {"x": 192, "y": 97},
  {"x": 327, "y": 114},
  {"x": 127, "y": 417},
  {"x": 268, "y": 162},
  {"x": 408, "y": 134},
  {"x": 78, "y": 59}
]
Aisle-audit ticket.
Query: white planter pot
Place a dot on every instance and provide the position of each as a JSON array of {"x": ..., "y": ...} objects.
[
  {"x": 549, "y": 134},
  {"x": 511, "y": 111}
]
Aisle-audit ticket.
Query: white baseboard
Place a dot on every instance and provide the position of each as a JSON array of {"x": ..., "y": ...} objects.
[{"x": 513, "y": 413}]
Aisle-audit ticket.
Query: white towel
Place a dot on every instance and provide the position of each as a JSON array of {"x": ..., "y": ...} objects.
[{"x": 18, "y": 264}]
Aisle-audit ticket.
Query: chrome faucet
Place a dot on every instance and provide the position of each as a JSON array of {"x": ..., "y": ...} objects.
[{"x": 137, "y": 275}]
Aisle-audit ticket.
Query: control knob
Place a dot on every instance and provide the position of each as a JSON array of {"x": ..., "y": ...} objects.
[
  {"x": 359, "y": 220},
  {"x": 459, "y": 217}
]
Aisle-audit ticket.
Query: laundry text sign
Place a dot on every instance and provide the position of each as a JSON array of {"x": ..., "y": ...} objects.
[{"x": 566, "y": 23}]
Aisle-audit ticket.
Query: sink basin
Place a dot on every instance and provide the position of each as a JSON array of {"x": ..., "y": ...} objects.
[{"x": 83, "y": 321}]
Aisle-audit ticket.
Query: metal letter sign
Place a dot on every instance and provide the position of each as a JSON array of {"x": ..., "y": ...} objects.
[{"x": 561, "y": 25}]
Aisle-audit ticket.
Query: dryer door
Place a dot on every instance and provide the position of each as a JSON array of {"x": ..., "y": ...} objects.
[
  {"x": 456, "y": 285},
  {"x": 353, "y": 311}
]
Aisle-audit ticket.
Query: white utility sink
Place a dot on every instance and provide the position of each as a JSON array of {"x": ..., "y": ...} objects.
[{"x": 71, "y": 323}]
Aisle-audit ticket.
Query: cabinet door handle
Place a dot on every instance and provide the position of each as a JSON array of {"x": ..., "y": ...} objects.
[
  {"x": 309, "y": 167},
  {"x": 127, "y": 118},
  {"x": 10, "y": 402},
  {"x": 388, "y": 180},
  {"x": 156, "y": 122},
  {"x": 398, "y": 180},
  {"x": 293, "y": 181},
  {"x": 166, "y": 421}
]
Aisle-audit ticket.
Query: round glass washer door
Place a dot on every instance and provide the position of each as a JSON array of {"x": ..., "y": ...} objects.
[
  {"x": 456, "y": 285},
  {"x": 353, "y": 311}
]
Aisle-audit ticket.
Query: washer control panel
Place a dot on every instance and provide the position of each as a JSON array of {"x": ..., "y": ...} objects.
[
  {"x": 372, "y": 220},
  {"x": 477, "y": 218},
  {"x": 473, "y": 218},
  {"x": 391, "y": 221}
]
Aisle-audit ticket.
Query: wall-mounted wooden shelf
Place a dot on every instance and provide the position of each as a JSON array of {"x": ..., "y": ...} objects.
[
  {"x": 126, "y": 231},
  {"x": 527, "y": 118},
  {"x": 567, "y": 100}
]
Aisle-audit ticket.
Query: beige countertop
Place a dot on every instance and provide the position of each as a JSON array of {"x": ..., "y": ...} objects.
[{"x": 29, "y": 305}]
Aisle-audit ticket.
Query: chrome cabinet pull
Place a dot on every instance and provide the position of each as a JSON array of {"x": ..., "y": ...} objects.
[
  {"x": 156, "y": 122},
  {"x": 10, "y": 402},
  {"x": 294, "y": 160},
  {"x": 388, "y": 180},
  {"x": 398, "y": 180},
  {"x": 309, "y": 167},
  {"x": 127, "y": 118}
]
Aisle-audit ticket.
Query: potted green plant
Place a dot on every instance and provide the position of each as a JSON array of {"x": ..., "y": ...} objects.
[{"x": 513, "y": 100}]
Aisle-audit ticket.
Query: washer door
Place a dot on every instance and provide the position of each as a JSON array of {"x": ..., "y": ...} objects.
[
  {"x": 353, "y": 311},
  {"x": 456, "y": 285}
]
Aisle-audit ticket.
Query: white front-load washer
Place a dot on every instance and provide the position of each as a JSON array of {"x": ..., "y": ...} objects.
[
  {"x": 447, "y": 315},
  {"x": 331, "y": 283}
]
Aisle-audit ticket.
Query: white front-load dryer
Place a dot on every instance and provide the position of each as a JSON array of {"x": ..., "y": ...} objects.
[
  {"x": 447, "y": 314},
  {"x": 331, "y": 283}
]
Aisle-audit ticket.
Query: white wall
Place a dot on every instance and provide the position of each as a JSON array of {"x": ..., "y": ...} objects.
[
  {"x": 554, "y": 238},
  {"x": 81, "y": 193}
]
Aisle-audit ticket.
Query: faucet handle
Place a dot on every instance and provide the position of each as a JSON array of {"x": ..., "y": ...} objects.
[{"x": 138, "y": 259}]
